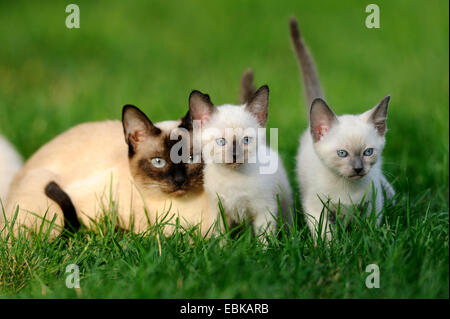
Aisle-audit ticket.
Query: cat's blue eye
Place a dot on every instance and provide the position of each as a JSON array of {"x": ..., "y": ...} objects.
[
  {"x": 221, "y": 141},
  {"x": 368, "y": 152},
  {"x": 246, "y": 140},
  {"x": 342, "y": 153},
  {"x": 194, "y": 159},
  {"x": 158, "y": 162}
]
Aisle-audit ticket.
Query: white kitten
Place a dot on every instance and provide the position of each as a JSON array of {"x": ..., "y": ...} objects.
[
  {"x": 246, "y": 186},
  {"x": 339, "y": 158},
  {"x": 10, "y": 164}
]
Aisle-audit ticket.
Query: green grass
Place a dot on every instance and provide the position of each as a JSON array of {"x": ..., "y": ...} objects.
[{"x": 153, "y": 54}]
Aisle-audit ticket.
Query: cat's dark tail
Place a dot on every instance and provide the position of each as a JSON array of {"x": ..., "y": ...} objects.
[
  {"x": 308, "y": 69},
  {"x": 54, "y": 192},
  {"x": 247, "y": 88}
]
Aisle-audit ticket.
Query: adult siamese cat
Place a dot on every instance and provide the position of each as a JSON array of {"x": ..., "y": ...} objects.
[
  {"x": 76, "y": 176},
  {"x": 10, "y": 164},
  {"x": 339, "y": 158}
]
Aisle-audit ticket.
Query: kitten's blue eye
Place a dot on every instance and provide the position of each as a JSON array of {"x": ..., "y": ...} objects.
[
  {"x": 368, "y": 152},
  {"x": 342, "y": 153},
  {"x": 221, "y": 141},
  {"x": 246, "y": 140},
  {"x": 158, "y": 162}
]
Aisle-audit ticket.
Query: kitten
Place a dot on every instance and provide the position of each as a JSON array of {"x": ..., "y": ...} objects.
[
  {"x": 244, "y": 188},
  {"x": 10, "y": 164},
  {"x": 84, "y": 170},
  {"x": 339, "y": 158}
]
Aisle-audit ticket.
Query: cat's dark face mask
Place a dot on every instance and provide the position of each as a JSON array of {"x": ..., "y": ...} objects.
[{"x": 153, "y": 164}]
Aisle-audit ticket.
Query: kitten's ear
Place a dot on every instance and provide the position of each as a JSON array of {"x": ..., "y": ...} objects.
[
  {"x": 321, "y": 118},
  {"x": 136, "y": 127},
  {"x": 378, "y": 115},
  {"x": 200, "y": 106},
  {"x": 247, "y": 88},
  {"x": 258, "y": 104},
  {"x": 186, "y": 121}
]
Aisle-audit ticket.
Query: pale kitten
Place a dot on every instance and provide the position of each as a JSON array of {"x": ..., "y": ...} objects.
[
  {"x": 339, "y": 159},
  {"x": 244, "y": 189},
  {"x": 10, "y": 164}
]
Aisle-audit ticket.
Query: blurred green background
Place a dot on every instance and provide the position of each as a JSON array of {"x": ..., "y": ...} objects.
[{"x": 153, "y": 53}]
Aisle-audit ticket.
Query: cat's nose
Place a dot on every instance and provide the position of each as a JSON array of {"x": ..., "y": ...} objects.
[
  {"x": 179, "y": 179},
  {"x": 357, "y": 164}
]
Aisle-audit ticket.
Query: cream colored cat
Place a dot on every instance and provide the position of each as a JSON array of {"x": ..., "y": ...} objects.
[{"x": 90, "y": 165}]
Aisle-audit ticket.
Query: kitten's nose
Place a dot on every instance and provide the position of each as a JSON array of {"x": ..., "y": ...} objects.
[{"x": 357, "y": 164}]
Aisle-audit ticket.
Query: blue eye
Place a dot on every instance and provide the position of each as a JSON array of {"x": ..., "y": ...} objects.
[
  {"x": 246, "y": 140},
  {"x": 368, "y": 152},
  {"x": 342, "y": 153},
  {"x": 158, "y": 162},
  {"x": 194, "y": 159},
  {"x": 221, "y": 141}
]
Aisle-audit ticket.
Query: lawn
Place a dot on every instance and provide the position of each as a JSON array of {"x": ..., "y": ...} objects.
[{"x": 152, "y": 54}]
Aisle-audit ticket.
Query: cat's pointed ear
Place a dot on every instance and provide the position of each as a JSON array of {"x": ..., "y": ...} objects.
[
  {"x": 186, "y": 121},
  {"x": 378, "y": 115},
  {"x": 136, "y": 127},
  {"x": 247, "y": 87},
  {"x": 321, "y": 119},
  {"x": 200, "y": 106},
  {"x": 258, "y": 104}
]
